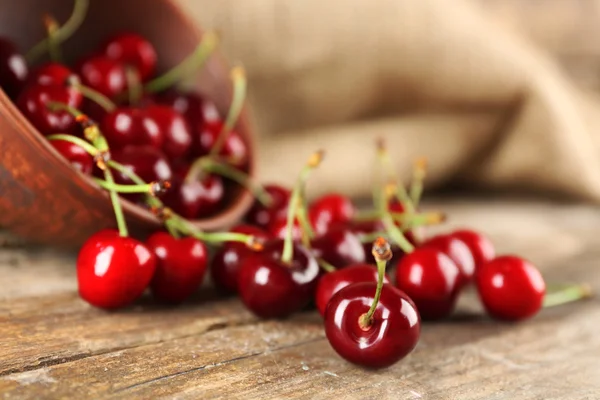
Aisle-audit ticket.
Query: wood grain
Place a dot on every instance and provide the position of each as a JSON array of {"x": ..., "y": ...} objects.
[{"x": 55, "y": 346}]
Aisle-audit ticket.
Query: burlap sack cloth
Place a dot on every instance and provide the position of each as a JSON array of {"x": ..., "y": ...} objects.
[{"x": 434, "y": 77}]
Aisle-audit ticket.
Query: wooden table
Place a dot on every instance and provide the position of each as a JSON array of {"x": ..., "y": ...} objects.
[{"x": 53, "y": 345}]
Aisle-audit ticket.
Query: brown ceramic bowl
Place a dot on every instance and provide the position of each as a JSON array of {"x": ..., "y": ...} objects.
[{"x": 42, "y": 198}]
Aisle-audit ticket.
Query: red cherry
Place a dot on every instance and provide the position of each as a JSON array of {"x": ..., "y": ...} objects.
[
  {"x": 133, "y": 50},
  {"x": 262, "y": 216},
  {"x": 113, "y": 271},
  {"x": 173, "y": 127},
  {"x": 329, "y": 210},
  {"x": 193, "y": 107},
  {"x": 333, "y": 282},
  {"x": 80, "y": 159},
  {"x": 33, "y": 104},
  {"x": 129, "y": 126},
  {"x": 180, "y": 266},
  {"x": 392, "y": 335},
  {"x": 13, "y": 68},
  {"x": 340, "y": 247},
  {"x": 234, "y": 148},
  {"x": 273, "y": 289},
  {"x": 51, "y": 73},
  {"x": 458, "y": 251},
  {"x": 481, "y": 247},
  {"x": 278, "y": 229},
  {"x": 510, "y": 288},
  {"x": 227, "y": 260},
  {"x": 148, "y": 163},
  {"x": 431, "y": 279},
  {"x": 103, "y": 74}
]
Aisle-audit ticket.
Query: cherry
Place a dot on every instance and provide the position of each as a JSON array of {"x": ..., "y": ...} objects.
[
  {"x": 134, "y": 50},
  {"x": 339, "y": 247},
  {"x": 431, "y": 279},
  {"x": 13, "y": 68},
  {"x": 278, "y": 229},
  {"x": 234, "y": 149},
  {"x": 180, "y": 266},
  {"x": 458, "y": 251},
  {"x": 333, "y": 282},
  {"x": 127, "y": 126},
  {"x": 148, "y": 163},
  {"x": 510, "y": 288},
  {"x": 195, "y": 109},
  {"x": 272, "y": 288},
  {"x": 173, "y": 127},
  {"x": 330, "y": 210},
  {"x": 33, "y": 103},
  {"x": 227, "y": 260},
  {"x": 113, "y": 271},
  {"x": 262, "y": 216},
  {"x": 103, "y": 74},
  {"x": 481, "y": 247},
  {"x": 51, "y": 73},
  {"x": 80, "y": 159},
  {"x": 375, "y": 336}
]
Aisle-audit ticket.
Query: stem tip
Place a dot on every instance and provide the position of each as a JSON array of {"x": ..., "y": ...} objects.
[{"x": 381, "y": 249}]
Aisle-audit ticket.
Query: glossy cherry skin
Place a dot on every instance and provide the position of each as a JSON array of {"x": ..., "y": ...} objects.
[
  {"x": 103, "y": 74},
  {"x": 340, "y": 247},
  {"x": 481, "y": 247},
  {"x": 13, "y": 68},
  {"x": 262, "y": 216},
  {"x": 51, "y": 73},
  {"x": 333, "y": 282},
  {"x": 128, "y": 126},
  {"x": 180, "y": 266},
  {"x": 148, "y": 163},
  {"x": 271, "y": 289},
  {"x": 510, "y": 288},
  {"x": 393, "y": 334},
  {"x": 113, "y": 271},
  {"x": 197, "y": 110},
  {"x": 197, "y": 198},
  {"x": 234, "y": 149},
  {"x": 329, "y": 210},
  {"x": 431, "y": 279},
  {"x": 80, "y": 159},
  {"x": 33, "y": 102},
  {"x": 458, "y": 251},
  {"x": 173, "y": 127},
  {"x": 226, "y": 262},
  {"x": 133, "y": 50}
]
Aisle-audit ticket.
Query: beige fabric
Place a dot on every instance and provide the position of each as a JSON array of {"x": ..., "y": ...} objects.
[{"x": 434, "y": 77}]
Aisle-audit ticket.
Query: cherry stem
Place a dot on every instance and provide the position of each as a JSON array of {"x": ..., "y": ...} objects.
[
  {"x": 114, "y": 198},
  {"x": 327, "y": 267},
  {"x": 400, "y": 191},
  {"x": 134, "y": 85},
  {"x": 62, "y": 33},
  {"x": 567, "y": 294},
  {"x": 408, "y": 220},
  {"x": 370, "y": 237},
  {"x": 206, "y": 164},
  {"x": 53, "y": 46},
  {"x": 308, "y": 232},
  {"x": 192, "y": 63},
  {"x": 91, "y": 132},
  {"x": 146, "y": 188},
  {"x": 393, "y": 231},
  {"x": 76, "y": 141},
  {"x": 107, "y": 104},
  {"x": 382, "y": 253},
  {"x": 288, "y": 246},
  {"x": 418, "y": 176},
  {"x": 238, "y": 77}
]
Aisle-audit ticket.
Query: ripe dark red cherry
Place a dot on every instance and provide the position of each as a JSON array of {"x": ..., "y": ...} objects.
[
  {"x": 431, "y": 279},
  {"x": 51, "y": 73},
  {"x": 13, "y": 68},
  {"x": 134, "y": 50},
  {"x": 227, "y": 260},
  {"x": 262, "y": 216},
  {"x": 340, "y": 247},
  {"x": 148, "y": 163},
  {"x": 113, "y": 271},
  {"x": 510, "y": 288},
  {"x": 193, "y": 107},
  {"x": 196, "y": 198},
  {"x": 458, "y": 251},
  {"x": 124, "y": 126},
  {"x": 329, "y": 210},
  {"x": 234, "y": 149},
  {"x": 33, "y": 102},
  {"x": 103, "y": 74},
  {"x": 333, "y": 282},
  {"x": 392, "y": 335},
  {"x": 271, "y": 288},
  {"x": 80, "y": 159},
  {"x": 481, "y": 247},
  {"x": 172, "y": 126},
  {"x": 180, "y": 267}
]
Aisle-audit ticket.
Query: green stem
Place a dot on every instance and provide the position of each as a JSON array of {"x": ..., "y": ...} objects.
[
  {"x": 107, "y": 104},
  {"x": 370, "y": 237},
  {"x": 366, "y": 319},
  {"x": 400, "y": 191},
  {"x": 238, "y": 76},
  {"x": 76, "y": 141},
  {"x": 123, "y": 188},
  {"x": 114, "y": 198},
  {"x": 58, "y": 106},
  {"x": 172, "y": 229},
  {"x": 567, "y": 295},
  {"x": 62, "y": 33},
  {"x": 151, "y": 200},
  {"x": 193, "y": 62},
  {"x": 134, "y": 85},
  {"x": 327, "y": 267},
  {"x": 416, "y": 186},
  {"x": 53, "y": 45},
  {"x": 307, "y": 231}
]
